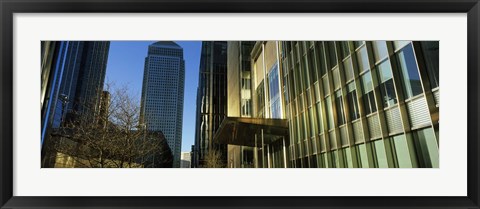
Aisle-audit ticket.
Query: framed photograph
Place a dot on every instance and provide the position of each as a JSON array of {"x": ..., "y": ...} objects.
[{"x": 236, "y": 104}]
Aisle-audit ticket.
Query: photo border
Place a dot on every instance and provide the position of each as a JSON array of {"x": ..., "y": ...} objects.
[{"x": 9, "y": 7}]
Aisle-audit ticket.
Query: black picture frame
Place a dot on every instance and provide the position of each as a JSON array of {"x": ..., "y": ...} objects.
[{"x": 10, "y": 7}]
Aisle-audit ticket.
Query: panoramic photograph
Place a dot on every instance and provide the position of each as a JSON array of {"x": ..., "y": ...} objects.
[{"x": 240, "y": 104}]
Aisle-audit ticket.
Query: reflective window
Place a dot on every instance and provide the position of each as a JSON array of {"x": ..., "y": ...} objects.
[
  {"x": 348, "y": 67},
  {"x": 313, "y": 125},
  {"x": 306, "y": 69},
  {"x": 311, "y": 66},
  {"x": 274, "y": 92},
  {"x": 352, "y": 101},
  {"x": 332, "y": 55},
  {"x": 407, "y": 65},
  {"x": 348, "y": 156},
  {"x": 321, "y": 59},
  {"x": 380, "y": 154},
  {"x": 431, "y": 56},
  {"x": 362, "y": 59},
  {"x": 345, "y": 49},
  {"x": 427, "y": 148},
  {"x": 358, "y": 44},
  {"x": 379, "y": 50},
  {"x": 340, "y": 109},
  {"x": 368, "y": 97},
  {"x": 328, "y": 103},
  {"x": 401, "y": 151},
  {"x": 319, "y": 117},
  {"x": 362, "y": 155},
  {"x": 399, "y": 44},
  {"x": 326, "y": 87},
  {"x": 386, "y": 84}
]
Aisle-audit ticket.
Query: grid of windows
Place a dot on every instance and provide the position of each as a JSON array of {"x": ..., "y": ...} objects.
[
  {"x": 373, "y": 103},
  {"x": 162, "y": 93}
]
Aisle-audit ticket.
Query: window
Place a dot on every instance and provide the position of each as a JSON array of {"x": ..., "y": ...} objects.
[
  {"x": 311, "y": 66},
  {"x": 400, "y": 147},
  {"x": 340, "y": 109},
  {"x": 362, "y": 59},
  {"x": 328, "y": 103},
  {"x": 431, "y": 55},
  {"x": 379, "y": 50},
  {"x": 386, "y": 84},
  {"x": 352, "y": 101},
  {"x": 358, "y": 44},
  {"x": 368, "y": 97},
  {"x": 345, "y": 49},
  {"x": 380, "y": 154},
  {"x": 332, "y": 55},
  {"x": 319, "y": 117},
  {"x": 427, "y": 148},
  {"x": 399, "y": 44},
  {"x": 362, "y": 155},
  {"x": 348, "y": 68},
  {"x": 321, "y": 58},
  {"x": 407, "y": 65}
]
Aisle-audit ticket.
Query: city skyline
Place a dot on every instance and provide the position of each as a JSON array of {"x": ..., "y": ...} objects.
[{"x": 125, "y": 67}]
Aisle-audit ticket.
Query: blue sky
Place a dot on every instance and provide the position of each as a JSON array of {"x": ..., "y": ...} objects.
[{"x": 125, "y": 67}]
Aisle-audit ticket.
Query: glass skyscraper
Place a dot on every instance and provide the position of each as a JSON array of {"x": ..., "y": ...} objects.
[
  {"x": 73, "y": 75},
  {"x": 162, "y": 93},
  {"x": 211, "y": 101},
  {"x": 346, "y": 104}
]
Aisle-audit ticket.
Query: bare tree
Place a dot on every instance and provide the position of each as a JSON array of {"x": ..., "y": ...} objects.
[
  {"x": 110, "y": 136},
  {"x": 213, "y": 159}
]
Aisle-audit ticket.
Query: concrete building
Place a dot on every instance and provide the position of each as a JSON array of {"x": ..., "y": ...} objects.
[{"x": 162, "y": 93}]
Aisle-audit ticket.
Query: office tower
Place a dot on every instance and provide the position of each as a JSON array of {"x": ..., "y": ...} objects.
[
  {"x": 75, "y": 76},
  {"x": 162, "y": 93},
  {"x": 352, "y": 104},
  {"x": 211, "y": 101}
]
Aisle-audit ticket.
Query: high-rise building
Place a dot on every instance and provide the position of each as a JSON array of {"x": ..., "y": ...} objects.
[
  {"x": 162, "y": 93},
  {"x": 239, "y": 93},
  {"x": 211, "y": 102},
  {"x": 347, "y": 104},
  {"x": 73, "y": 75},
  {"x": 185, "y": 160}
]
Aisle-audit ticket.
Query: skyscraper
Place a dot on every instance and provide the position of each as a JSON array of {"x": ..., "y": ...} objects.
[
  {"x": 73, "y": 75},
  {"x": 162, "y": 93},
  {"x": 211, "y": 101}
]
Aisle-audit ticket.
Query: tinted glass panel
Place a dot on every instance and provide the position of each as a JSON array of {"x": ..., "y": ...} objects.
[{"x": 408, "y": 66}]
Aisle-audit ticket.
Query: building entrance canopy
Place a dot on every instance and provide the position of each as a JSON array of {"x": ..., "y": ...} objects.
[{"x": 249, "y": 131}]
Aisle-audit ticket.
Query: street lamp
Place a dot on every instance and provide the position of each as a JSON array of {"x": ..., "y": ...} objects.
[{"x": 64, "y": 99}]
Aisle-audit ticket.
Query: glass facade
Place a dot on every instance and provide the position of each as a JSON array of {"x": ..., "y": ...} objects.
[
  {"x": 212, "y": 100},
  {"x": 73, "y": 76},
  {"x": 347, "y": 104},
  {"x": 348, "y": 98},
  {"x": 162, "y": 93}
]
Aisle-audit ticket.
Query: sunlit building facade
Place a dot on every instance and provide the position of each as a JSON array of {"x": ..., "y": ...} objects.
[
  {"x": 347, "y": 104},
  {"x": 163, "y": 86}
]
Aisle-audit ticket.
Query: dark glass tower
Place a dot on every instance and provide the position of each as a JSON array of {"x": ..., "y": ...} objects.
[
  {"x": 73, "y": 75},
  {"x": 211, "y": 101}
]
